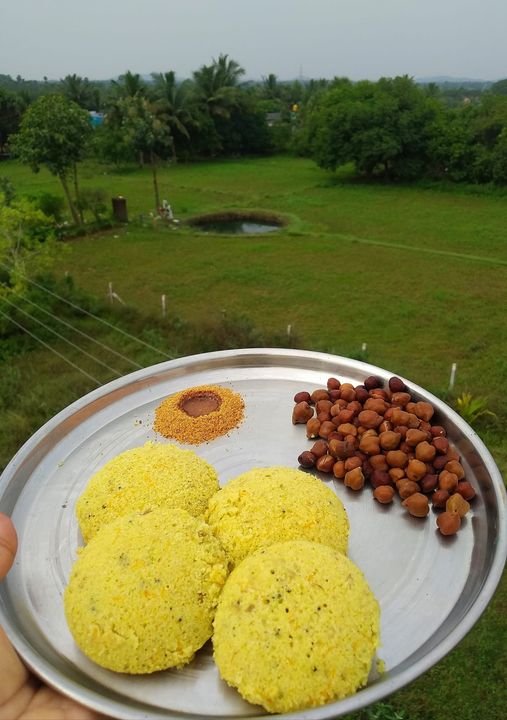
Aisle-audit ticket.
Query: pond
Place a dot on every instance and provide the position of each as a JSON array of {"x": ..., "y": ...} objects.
[{"x": 238, "y": 227}]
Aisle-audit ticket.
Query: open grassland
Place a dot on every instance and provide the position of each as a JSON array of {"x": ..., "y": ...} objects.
[{"x": 420, "y": 275}]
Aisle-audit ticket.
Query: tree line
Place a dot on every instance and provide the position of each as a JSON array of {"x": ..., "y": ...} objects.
[{"x": 393, "y": 129}]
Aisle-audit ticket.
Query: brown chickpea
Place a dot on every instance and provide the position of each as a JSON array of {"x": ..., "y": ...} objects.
[
  {"x": 307, "y": 459},
  {"x": 457, "y": 503},
  {"x": 449, "y": 523},
  {"x": 439, "y": 498},
  {"x": 389, "y": 440},
  {"x": 347, "y": 429},
  {"x": 417, "y": 505},
  {"x": 301, "y": 413},
  {"x": 379, "y": 462},
  {"x": 466, "y": 490},
  {"x": 347, "y": 392},
  {"x": 369, "y": 418},
  {"x": 313, "y": 428},
  {"x": 377, "y": 405},
  {"x": 323, "y": 406},
  {"x": 399, "y": 417},
  {"x": 406, "y": 488},
  {"x": 396, "y": 473},
  {"x": 384, "y": 494},
  {"x": 400, "y": 399},
  {"x": 380, "y": 477},
  {"x": 438, "y": 431},
  {"x": 353, "y": 462},
  {"x": 425, "y": 452},
  {"x": 319, "y": 448},
  {"x": 428, "y": 483},
  {"x": 319, "y": 395},
  {"x": 424, "y": 410},
  {"x": 302, "y": 396},
  {"x": 455, "y": 467},
  {"x": 396, "y": 458},
  {"x": 447, "y": 481},
  {"x": 326, "y": 429},
  {"x": 415, "y": 436},
  {"x": 354, "y": 479},
  {"x": 325, "y": 463},
  {"x": 339, "y": 469},
  {"x": 369, "y": 445},
  {"x": 324, "y": 416},
  {"x": 441, "y": 445}
]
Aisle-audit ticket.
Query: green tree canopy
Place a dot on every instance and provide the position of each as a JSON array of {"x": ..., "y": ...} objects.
[
  {"x": 79, "y": 90},
  {"x": 145, "y": 128},
  {"x": 177, "y": 103},
  {"x": 383, "y": 127},
  {"x": 12, "y": 107},
  {"x": 54, "y": 132},
  {"x": 27, "y": 243}
]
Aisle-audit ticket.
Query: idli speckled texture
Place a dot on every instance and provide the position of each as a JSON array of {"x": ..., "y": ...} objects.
[
  {"x": 142, "y": 479},
  {"x": 296, "y": 626},
  {"x": 268, "y": 505},
  {"x": 143, "y": 593}
]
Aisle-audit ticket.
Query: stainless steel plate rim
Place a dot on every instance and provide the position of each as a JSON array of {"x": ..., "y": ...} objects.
[{"x": 254, "y": 358}]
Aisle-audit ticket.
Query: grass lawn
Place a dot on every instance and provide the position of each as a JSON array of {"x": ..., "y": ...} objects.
[{"x": 419, "y": 275}]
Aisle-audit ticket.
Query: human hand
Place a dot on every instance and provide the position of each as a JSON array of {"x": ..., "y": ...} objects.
[{"x": 22, "y": 695}]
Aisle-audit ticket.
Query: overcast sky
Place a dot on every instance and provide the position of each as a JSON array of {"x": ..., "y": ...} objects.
[{"x": 316, "y": 38}]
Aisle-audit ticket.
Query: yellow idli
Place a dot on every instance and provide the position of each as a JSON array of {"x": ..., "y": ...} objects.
[
  {"x": 268, "y": 505},
  {"x": 296, "y": 627},
  {"x": 142, "y": 594},
  {"x": 142, "y": 479}
]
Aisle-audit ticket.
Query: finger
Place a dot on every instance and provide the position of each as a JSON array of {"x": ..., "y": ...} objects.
[{"x": 8, "y": 544}]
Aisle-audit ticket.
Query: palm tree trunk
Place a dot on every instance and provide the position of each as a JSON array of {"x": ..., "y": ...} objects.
[
  {"x": 72, "y": 207},
  {"x": 153, "y": 161},
  {"x": 76, "y": 194}
]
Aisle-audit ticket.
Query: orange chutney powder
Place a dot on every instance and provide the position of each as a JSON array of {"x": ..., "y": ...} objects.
[{"x": 199, "y": 414}]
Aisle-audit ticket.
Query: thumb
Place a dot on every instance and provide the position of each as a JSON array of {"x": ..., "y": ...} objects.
[{"x": 8, "y": 544}]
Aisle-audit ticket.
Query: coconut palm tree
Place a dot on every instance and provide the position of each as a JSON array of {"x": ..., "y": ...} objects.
[
  {"x": 77, "y": 89},
  {"x": 216, "y": 86},
  {"x": 177, "y": 103},
  {"x": 129, "y": 85}
]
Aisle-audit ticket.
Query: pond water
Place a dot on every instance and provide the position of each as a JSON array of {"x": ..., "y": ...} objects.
[{"x": 238, "y": 227}]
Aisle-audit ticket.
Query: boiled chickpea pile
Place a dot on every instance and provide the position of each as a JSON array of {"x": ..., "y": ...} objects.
[{"x": 370, "y": 433}]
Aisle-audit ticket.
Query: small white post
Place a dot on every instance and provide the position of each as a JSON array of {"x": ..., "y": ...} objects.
[
  {"x": 164, "y": 308},
  {"x": 453, "y": 376},
  {"x": 110, "y": 292},
  {"x": 289, "y": 330},
  {"x": 363, "y": 347}
]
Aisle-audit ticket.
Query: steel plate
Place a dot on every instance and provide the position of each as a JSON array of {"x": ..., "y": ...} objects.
[{"x": 431, "y": 589}]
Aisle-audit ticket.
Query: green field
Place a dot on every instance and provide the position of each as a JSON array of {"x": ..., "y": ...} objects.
[{"x": 418, "y": 274}]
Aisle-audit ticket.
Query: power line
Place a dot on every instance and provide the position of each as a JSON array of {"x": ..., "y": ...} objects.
[
  {"x": 62, "y": 337},
  {"x": 75, "y": 329},
  {"x": 83, "y": 372},
  {"x": 86, "y": 312}
]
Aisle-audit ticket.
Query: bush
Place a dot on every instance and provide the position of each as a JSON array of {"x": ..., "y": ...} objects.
[
  {"x": 52, "y": 206},
  {"x": 94, "y": 200}
]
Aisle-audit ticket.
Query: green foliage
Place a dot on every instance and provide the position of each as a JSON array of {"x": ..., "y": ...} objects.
[
  {"x": 27, "y": 244},
  {"x": 80, "y": 91},
  {"x": 53, "y": 132},
  {"x": 382, "y": 127},
  {"x": 50, "y": 204},
  {"x": 12, "y": 107},
  {"x": 473, "y": 408},
  {"x": 7, "y": 191},
  {"x": 94, "y": 201}
]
